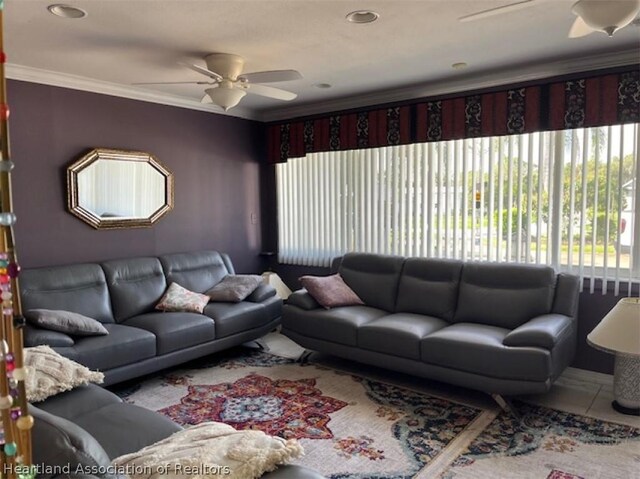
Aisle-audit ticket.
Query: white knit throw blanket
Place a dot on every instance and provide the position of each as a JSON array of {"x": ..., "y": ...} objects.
[{"x": 209, "y": 450}]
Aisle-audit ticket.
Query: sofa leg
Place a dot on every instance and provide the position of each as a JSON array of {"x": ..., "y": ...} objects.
[
  {"x": 506, "y": 405},
  {"x": 262, "y": 345},
  {"x": 257, "y": 344},
  {"x": 304, "y": 357}
]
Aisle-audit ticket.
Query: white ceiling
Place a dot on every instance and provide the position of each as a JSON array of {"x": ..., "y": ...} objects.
[{"x": 407, "y": 53}]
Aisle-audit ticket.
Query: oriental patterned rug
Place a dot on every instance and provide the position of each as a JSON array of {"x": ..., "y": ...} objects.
[{"x": 356, "y": 427}]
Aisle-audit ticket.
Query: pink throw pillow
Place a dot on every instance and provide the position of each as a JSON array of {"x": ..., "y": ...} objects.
[{"x": 330, "y": 291}]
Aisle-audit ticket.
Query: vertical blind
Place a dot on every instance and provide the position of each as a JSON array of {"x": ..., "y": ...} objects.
[{"x": 565, "y": 198}]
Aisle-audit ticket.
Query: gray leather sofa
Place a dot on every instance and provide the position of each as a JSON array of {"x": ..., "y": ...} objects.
[
  {"x": 122, "y": 294},
  {"x": 503, "y": 329},
  {"x": 77, "y": 433}
]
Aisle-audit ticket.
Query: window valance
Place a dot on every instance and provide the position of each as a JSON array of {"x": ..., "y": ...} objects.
[{"x": 593, "y": 100}]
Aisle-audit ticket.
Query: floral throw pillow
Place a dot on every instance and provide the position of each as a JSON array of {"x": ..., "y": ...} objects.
[{"x": 177, "y": 298}]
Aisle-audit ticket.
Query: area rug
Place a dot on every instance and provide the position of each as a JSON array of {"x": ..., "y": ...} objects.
[
  {"x": 349, "y": 426},
  {"x": 354, "y": 427},
  {"x": 548, "y": 444}
]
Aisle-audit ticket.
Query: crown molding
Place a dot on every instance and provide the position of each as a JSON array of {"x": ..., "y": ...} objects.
[
  {"x": 490, "y": 79},
  {"x": 75, "y": 82},
  {"x": 478, "y": 81}
]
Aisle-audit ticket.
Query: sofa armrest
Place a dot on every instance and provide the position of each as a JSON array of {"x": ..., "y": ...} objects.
[
  {"x": 302, "y": 299},
  {"x": 37, "y": 337},
  {"x": 543, "y": 331},
  {"x": 261, "y": 293},
  {"x": 59, "y": 443}
]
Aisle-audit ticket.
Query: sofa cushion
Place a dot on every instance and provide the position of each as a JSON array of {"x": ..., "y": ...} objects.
[
  {"x": 232, "y": 318},
  {"x": 124, "y": 345},
  {"x": 429, "y": 286},
  {"x": 135, "y": 285},
  {"x": 478, "y": 348},
  {"x": 373, "y": 277},
  {"x": 59, "y": 444},
  {"x": 174, "y": 331},
  {"x": 504, "y": 295},
  {"x": 195, "y": 271},
  {"x": 65, "y": 322},
  {"x": 398, "y": 334},
  {"x": 125, "y": 428},
  {"x": 179, "y": 299},
  {"x": 81, "y": 288},
  {"x": 338, "y": 325}
]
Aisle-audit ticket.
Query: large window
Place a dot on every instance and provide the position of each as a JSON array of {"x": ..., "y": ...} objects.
[{"x": 565, "y": 198}]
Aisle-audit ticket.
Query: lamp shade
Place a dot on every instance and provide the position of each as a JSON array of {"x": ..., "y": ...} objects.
[
  {"x": 619, "y": 330},
  {"x": 225, "y": 97},
  {"x": 274, "y": 280},
  {"x": 607, "y": 15}
]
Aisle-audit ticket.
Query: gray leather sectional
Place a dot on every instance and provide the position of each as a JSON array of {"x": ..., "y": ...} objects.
[
  {"x": 499, "y": 328},
  {"x": 84, "y": 429},
  {"x": 121, "y": 294}
]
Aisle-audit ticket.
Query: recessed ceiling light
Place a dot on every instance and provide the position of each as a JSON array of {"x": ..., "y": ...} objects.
[
  {"x": 363, "y": 16},
  {"x": 66, "y": 11},
  {"x": 459, "y": 66},
  {"x": 322, "y": 85}
]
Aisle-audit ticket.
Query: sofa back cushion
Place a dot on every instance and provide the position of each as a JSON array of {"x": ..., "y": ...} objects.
[
  {"x": 374, "y": 278},
  {"x": 197, "y": 272},
  {"x": 79, "y": 288},
  {"x": 135, "y": 285},
  {"x": 504, "y": 295},
  {"x": 429, "y": 286}
]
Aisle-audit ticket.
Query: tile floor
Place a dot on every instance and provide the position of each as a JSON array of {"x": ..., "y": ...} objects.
[{"x": 576, "y": 391}]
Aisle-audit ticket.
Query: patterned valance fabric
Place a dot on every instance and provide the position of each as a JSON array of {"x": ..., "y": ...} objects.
[
  {"x": 584, "y": 102},
  {"x": 367, "y": 129}
]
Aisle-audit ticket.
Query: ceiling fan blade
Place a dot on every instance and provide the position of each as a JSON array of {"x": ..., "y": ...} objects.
[
  {"x": 203, "y": 70},
  {"x": 512, "y": 7},
  {"x": 272, "y": 76},
  {"x": 176, "y": 83},
  {"x": 270, "y": 92},
  {"x": 580, "y": 29}
]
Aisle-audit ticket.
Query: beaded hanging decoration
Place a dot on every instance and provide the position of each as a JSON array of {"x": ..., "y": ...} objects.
[{"x": 15, "y": 420}]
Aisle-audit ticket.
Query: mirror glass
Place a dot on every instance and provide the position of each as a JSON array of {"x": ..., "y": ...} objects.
[{"x": 119, "y": 189}]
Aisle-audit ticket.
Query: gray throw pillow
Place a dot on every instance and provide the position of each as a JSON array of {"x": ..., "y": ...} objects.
[
  {"x": 234, "y": 288},
  {"x": 65, "y": 322}
]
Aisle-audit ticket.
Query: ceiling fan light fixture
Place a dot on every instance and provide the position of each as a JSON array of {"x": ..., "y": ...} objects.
[
  {"x": 225, "y": 98},
  {"x": 66, "y": 11},
  {"x": 606, "y": 15}
]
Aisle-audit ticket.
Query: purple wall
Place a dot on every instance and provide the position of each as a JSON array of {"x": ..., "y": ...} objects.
[{"x": 214, "y": 158}]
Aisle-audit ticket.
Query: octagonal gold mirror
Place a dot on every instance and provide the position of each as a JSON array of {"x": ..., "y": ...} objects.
[{"x": 119, "y": 189}]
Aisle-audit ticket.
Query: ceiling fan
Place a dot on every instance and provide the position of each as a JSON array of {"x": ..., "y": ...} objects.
[
  {"x": 228, "y": 85},
  {"x": 606, "y": 16}
]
